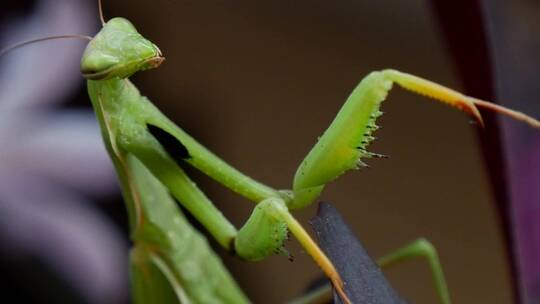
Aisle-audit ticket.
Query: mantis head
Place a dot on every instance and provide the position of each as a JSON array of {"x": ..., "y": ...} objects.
[{"x": 118, "y": 51}]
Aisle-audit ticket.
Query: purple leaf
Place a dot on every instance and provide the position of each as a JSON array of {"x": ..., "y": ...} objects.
[{"x": 496, "y": 46}]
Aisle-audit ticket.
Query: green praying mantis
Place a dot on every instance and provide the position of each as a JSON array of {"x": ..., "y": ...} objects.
[{"x": 170, "y": 261}]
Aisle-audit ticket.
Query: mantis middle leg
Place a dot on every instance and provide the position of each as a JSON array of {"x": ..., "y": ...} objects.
[
  {"x": 421, "y": 248},
  {"x": 418, "y": 248}
]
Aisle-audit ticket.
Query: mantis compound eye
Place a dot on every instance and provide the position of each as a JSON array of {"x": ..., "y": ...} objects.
[{"x": 118, "y": 51}]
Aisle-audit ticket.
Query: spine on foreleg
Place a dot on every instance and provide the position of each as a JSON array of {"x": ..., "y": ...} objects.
[{"x": 344, "y": 143}]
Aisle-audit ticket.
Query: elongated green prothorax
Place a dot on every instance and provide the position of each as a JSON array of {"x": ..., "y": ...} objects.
[{"x": 118, "y": 51}]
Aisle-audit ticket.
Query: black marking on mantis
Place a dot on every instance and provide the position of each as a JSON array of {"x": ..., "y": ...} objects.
[{"x": 171, "y": 144}]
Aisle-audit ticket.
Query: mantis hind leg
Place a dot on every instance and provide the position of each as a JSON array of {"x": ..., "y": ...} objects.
[{"x": 421, "y": 248}]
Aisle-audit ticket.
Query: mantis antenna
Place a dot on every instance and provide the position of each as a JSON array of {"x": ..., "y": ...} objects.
[
  {"x": 100, "y": 8},
  {"x": 27, "y": 42}
]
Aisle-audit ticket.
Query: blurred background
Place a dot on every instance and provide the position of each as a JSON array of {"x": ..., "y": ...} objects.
[{"x": 256, "y": 82}]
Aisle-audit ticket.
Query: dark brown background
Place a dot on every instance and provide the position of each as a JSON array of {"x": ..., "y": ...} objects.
[{"x": 258, "y": 81}]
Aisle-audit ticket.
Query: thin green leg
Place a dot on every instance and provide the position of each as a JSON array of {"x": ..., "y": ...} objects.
[
  {"x": 421, "y": 248},
  {"x": 320, "y": 295},
  {"x": 210, "y": 164}
]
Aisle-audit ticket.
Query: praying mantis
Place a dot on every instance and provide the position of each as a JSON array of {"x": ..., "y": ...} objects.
[{"x": 170, "y": 261}]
